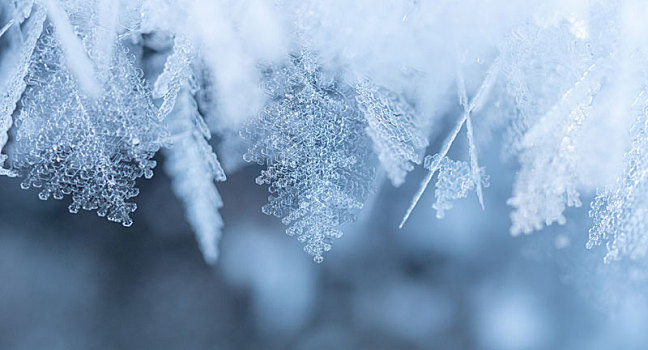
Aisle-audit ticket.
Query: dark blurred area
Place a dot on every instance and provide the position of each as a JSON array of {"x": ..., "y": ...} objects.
[{"x": 80, "y": 282}]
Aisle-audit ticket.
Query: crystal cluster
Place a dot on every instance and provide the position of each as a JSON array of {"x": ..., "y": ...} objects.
[{"x": 311, "y": 137}]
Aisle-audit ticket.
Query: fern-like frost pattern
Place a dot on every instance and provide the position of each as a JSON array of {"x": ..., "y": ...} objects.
[
  {"x": 92, "y": 149},
  {"x": 397, "y": 140},
  {"x": 90, "y": 89},
  {"x": 13, "y": 84},
  {"x": 193, "y": 167},
  {"x": 311, "y": 138},
  {"x": 619, "y": 211}
]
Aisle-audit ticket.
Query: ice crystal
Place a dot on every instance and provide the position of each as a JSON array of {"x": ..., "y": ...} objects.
[
  {"x": 177, "y": 73},
  {"x": 476, "y": 103},
  {"x": 191, "y": 163},
  {"x": 12, "y": 83},
  {"x": 455, "y": 181},
  {"x": 193, "y": 168},
  {"x": 536, "y": 83},
  {"x": 311, "y": 137},
  {"x": 548, "y": 180},
  {"x": 90, "y": 148},
  {"x": 620, "y": 211},
  {"x": 397, "y": 140},
  {"x": 88, "y": 88}
]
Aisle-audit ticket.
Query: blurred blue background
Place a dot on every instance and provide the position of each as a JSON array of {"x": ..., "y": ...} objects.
[{"x": 79, "y": 282}]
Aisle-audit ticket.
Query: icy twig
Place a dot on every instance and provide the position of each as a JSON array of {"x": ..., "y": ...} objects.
[
  {"x": 475, "y": 104},
  {"x": 472, "y": 149},
  {"x": 6, "y": 27}
]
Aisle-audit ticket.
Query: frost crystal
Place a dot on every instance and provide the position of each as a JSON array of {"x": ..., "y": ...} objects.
[
  {"x": 547, "y": 181},
  {"x": 89, "y": 88},
  {"x": 620, "y": 211},
  {"x": 193, "y": 168},
  {"x": 68, "y": 143},
  {"x": 455, "y": 181},
  {"x": 537, "y": 83},
  {"x": 391, "y": 125},
  {"x": 177, "y": 73},
  {"x": 13, "y": 84},
  {"x": 191, "y": 163},
  {"x": 311, "y": 137},
  {"x": 474, "y": 105}
]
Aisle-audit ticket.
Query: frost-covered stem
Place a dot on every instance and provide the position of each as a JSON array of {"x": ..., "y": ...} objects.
[
  {"x": 6, "y": 27},
  {"x": 484, "y": 89},
  {"x": 475, "y": 104},
  {"x": 472, "y": 149},
  {"x": 433, "y": 168},
  {"x": 474, "y": 164}
]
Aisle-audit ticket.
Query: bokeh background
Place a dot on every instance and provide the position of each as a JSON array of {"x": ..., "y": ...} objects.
[{"x": 79, "y": 282}]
